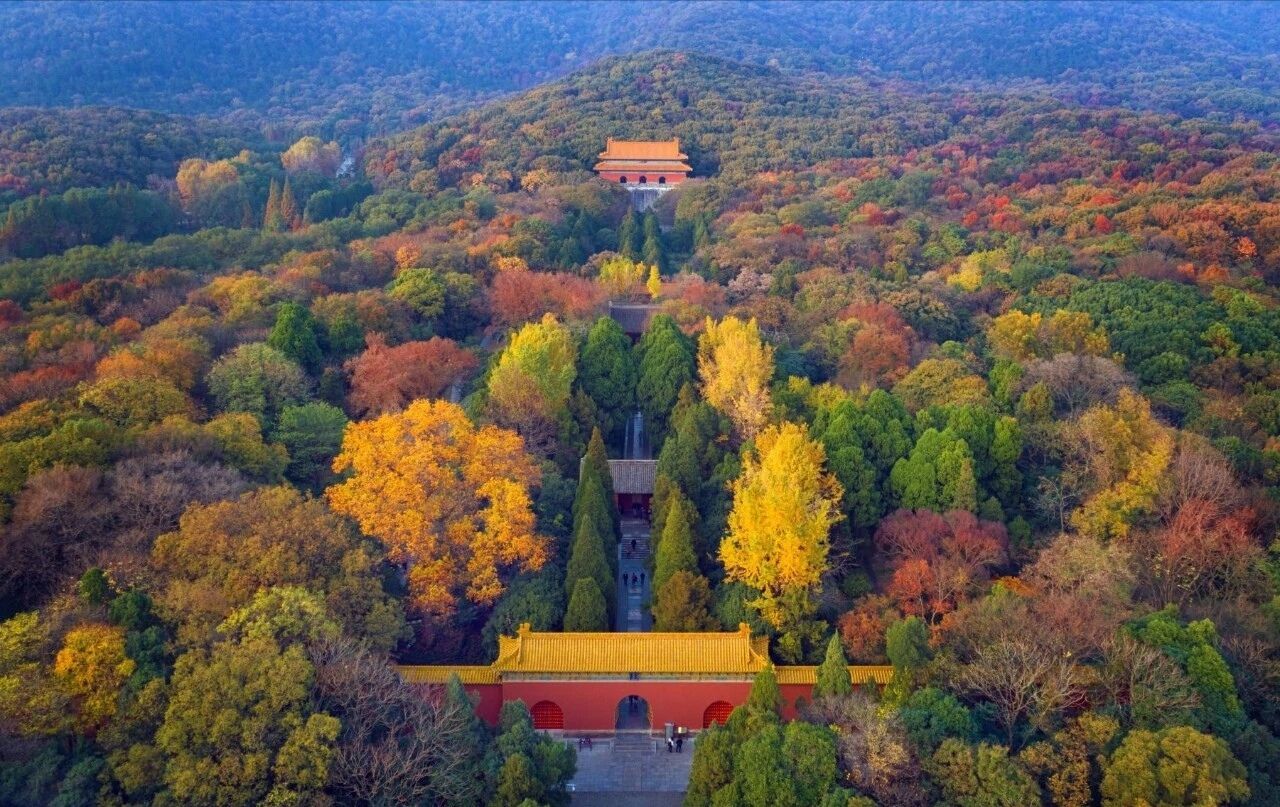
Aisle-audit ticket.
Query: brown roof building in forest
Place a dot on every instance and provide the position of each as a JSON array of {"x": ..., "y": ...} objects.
[{"x": 656, "y": 163}]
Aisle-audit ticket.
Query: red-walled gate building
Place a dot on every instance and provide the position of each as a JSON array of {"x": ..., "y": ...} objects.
[{"x": 600, "y": 682}]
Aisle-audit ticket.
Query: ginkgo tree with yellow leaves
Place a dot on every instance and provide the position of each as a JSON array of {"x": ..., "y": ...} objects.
[
  {"x": 449, "y": 500},
  {"x": 784, "y": 505},
  {"x": 736, "y": 365}
]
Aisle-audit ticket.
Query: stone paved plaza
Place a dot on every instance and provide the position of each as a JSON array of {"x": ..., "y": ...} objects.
[{"x": 632, "y": 764}]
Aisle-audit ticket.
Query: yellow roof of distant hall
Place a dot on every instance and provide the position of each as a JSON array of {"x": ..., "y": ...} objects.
[
  {"x": 530, "y": 652},
  {"x": 536, "y": 653},
  {"x": 642, "y": 150}
]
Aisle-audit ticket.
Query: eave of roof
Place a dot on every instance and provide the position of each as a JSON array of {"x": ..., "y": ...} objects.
[{"x": 634, "y": 165}]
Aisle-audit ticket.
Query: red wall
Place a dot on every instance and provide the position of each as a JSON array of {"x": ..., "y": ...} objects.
[
  {"x": 652, "y": 176},
  {"x": 489, "y": 703},
  {"x": 593, "y": 705}
]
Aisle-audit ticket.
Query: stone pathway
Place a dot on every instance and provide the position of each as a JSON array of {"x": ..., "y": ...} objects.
[
  {"x": 632, "y": 763},
  {"x": 633, "y": 608},
  {"x": 633, "y": 768}
]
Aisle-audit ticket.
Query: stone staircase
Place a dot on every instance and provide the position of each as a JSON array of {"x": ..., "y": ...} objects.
[{"x": 641, "y": 551}]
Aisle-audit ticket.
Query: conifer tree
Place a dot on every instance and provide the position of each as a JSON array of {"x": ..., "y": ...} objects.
[
  {"x": 271, "y": 219},
  {"x": 663, "y": 489},
  {"x": 587, "y": 611},
  {"x": 833, "y": 673},
  {"x": 473, "y": 736},
  {"x": 588, "y": 559},
  {"x": 290, "y": 215},
  {"x": 652, "y": 252},
  {"x": 765, "y": 701},
  {"x": 683, "y": 604},
  {"x": 675, "y": 549},
  {"x": 596, "y": 461},
  {"x": 630, "y": 237},
  {"x": 608, "y": 375},
  {"x": 667, "y": 362},
  {"x": 590, "y": 505}
]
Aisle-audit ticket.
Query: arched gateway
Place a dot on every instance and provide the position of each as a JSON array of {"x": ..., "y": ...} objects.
[{"x": 588, "y": 682}]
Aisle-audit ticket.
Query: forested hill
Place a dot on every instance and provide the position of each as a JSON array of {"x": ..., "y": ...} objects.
[
  {"x": 736, "y": 120},
  {"x": 356, "y": 69},
  {"x": 732, "y": 119}
]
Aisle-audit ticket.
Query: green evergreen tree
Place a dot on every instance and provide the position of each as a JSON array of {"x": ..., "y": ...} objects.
[
  {"x": 312, "y": 433},
  {"x": 712, "y": 767},
  {"x": 675, "y": 548},
  {"x": 765, "y": 701},
  {"x": 517, "y": 783},
  {"x": 630, "y": 237},
  {"x": 667, "y": 363},
  {"x": 586, "y": 611},
  {"x": 683, "y": 605},
  {"x": 653, "y": 252},
  {"x": 294, "y": 335},
  {"x": 833, "y": 673},
  {"x": 473, "y": 736},
  {"x": 290, "y": 214},
  {"x": 760, "y": 774},
  {"x": 607, "y": 373},
  {"x": 810, "y": 754},
  {"x": 595, "y": 463},
  {"x": 907, "y": 646},
  {"x": 271, "y": 219},
  {"x": 588, "y": 560}
]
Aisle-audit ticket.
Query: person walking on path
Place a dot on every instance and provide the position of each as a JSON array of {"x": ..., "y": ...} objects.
[
  {"x": 680, "y": 744},
  {"x": 670, "y": 745}
]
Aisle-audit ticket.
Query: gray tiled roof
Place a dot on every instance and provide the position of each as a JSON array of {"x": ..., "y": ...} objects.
[{"x": 633, "y": 476}]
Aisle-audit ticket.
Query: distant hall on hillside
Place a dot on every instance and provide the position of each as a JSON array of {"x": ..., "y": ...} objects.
[{"x": 648, "y": 168}]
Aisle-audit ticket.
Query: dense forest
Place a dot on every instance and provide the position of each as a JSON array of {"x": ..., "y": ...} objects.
[
  {"x": 361, "y": 69},
  {"x": 981, "y": 382}
]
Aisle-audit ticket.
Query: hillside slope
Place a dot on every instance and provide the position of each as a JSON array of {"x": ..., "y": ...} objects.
[
  {"x": 733, "y": 120},
  {"x": 355, "y": 69}
]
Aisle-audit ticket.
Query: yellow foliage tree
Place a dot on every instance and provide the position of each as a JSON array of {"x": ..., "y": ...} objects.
[
  {"x": 531, "y": 383},
  {"x": 620, "y": 274},
  {"x": 654, "y": 283},
  {"x": 198, "y": 178},
  {"x": 447, "y": 499},
  {"x": 1021, "y": 336},
  {"x": 1122, "y": 452},
  {"x": 735, "y": 366},
  {"x": 92, "y": 664},
  {"x": 784, "y": 505},
  {"x": 974, "y": 268}
]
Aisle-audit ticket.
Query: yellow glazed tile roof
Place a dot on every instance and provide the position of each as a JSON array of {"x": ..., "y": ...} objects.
[
  {"x": 642, "y": 150},
  {"x": 531, "y": 653},
  {"x": 421, "y": 674},
  {"x": 858, "y": 674},
  {"x": 620, "y": 653}
]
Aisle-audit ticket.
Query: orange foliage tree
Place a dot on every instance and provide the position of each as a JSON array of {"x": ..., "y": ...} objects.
[
  {"x": 938, "y": 559},
  {"x": 385, "y": 379},
  {"x": 450, "y": 501}
]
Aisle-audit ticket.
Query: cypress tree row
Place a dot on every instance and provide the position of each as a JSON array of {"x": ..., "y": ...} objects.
[
  {"x": 587, "y": 610},
  {"x": 608, "y": 376},
  {"x": 588, "y": 560},
  {"x": 595, "y": 463},
  {"x": 675, "y": 549},
  {"x": 667, "y": 363}
]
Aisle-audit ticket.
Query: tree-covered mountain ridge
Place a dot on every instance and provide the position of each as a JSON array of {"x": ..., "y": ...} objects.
[
  {"x": 735, "y": 120},
  {"x": 358, "y": 69}
]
